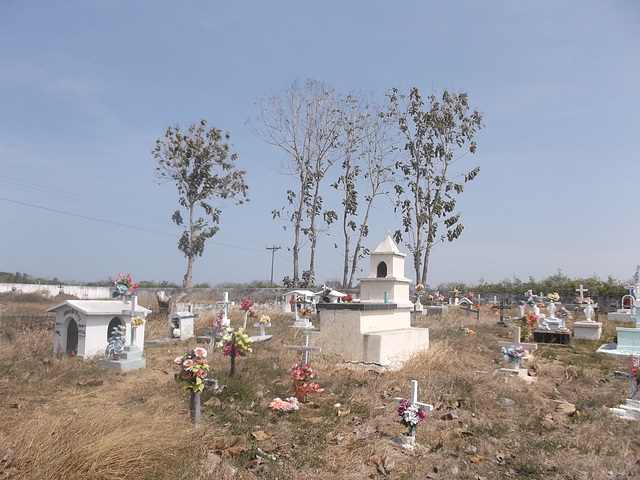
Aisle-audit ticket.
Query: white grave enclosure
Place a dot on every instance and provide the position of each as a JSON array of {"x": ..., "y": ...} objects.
[
  {"x": 375, "y": 332},
  {"x": 181, "y": 325},
  {"x": 83, "y": 327}
]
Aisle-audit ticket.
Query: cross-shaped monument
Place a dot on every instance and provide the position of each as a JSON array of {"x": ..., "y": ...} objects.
[
  {"x": 517, "y": 343},
  {"x": 413, "y": 400},
  {"x": 502, "y": 307},
  {"x": 305, "y": 349},
  {"x": 581, "y": 290},
  {"x": 225, "y": 303}
]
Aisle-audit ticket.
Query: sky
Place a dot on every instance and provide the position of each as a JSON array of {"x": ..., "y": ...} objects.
[{"x": 86, "y": 89}]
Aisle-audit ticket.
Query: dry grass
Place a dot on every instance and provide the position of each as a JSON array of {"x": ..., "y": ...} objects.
[{"x": 64, "y": 418}]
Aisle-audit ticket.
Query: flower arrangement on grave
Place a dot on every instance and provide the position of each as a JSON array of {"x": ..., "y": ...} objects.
[
  {"x": 553, "y": 297},
  {"x": 470, "y": 296},
  {"x": 420, "y": 288},
  {"x": 123, "y": 285},
  {"x": 430, "y": 297},
  {"x": 265, "y": 319},
  {"x": 411, "y": 415},
  {"x": 581, "y": 301},
  {"x": 455, "y": 293},
  {"x": 246, "y": 305},
  {"x": 513, "y": 354},
  {"x": 303, "y": 312},
  {"x": 464, "y": 329},
  {"x": 287, "y": 405},
  {"x": 217, "y": 328},
  {"x": 303, "y": 384},
  {"x": 117, "y": 340},
  {"x": 236, "y": 341},
  {"x": 529, "y": 322},
  {"x": 635, "y": 364},
  {"x": 137, "y": 322},
  {"x": 564, "y": 313},
  {"x": 347, "y": 298},
  {"x": 193, "y": 369}
]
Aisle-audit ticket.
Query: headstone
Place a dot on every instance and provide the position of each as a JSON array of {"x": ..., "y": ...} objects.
[
  {"x": 262, "y": 325},
  {"x": 305, "y": 349},
  {"x": 588, "y": 329},
  {"x": 466, "y": 306},
  {"x": 413, "y": 400},
  {"x": 517, "y": 343},
  {"x": 225, "y": 304},
  {"x": 581, "y": 290},
  {"x": 501, "y": 308},
  {"x": 181, "y": 325}
]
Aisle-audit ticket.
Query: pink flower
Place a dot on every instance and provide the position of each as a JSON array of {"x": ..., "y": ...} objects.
[
  {"x": 186, "y": 375},
  {"x": 187, "y": 364},
  {"x": 178, "y": 360}
]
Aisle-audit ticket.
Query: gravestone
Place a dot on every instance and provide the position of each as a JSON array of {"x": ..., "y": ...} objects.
[
  {"x": 587, "y": 329},
  {"x": 413, "y": 400},
  {"x": 628, "y": 337},
  {"x": 630, "y": 410},
  {"x": 522, "y": 373},
  {"x": 374, "y": 333},
  {"x": 466, "y": 305},
  {"x": 305, "y": 349},
  {"x": 501, "y": 308},
  {"x": 181, "y": 325},
  {"x": 263, "y": 337},
  {"x": 225, "y": 304},
  {"x": 624, "y": 314},
  {"x": 83, "y": 327}
]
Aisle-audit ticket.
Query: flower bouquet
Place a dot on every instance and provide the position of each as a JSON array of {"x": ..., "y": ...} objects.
[
  {"x": 347, "y": 298},
  {"x": 246, "y": 305},
  {"x": 287, "y": 405},
  {"x": 265, "y": 319},
  {"x": 303, "y": 384},
  {"x": 194, "y": 369},
  {"x": 553, "y": 297},
  {"x": 514, "y": 355},
  {"x": 235, "y": 344},
  {"x": 116, "y": 342},
  {"x": 123, "y": 286},
  {"x": 411, "y": 415},
  {"x": 137, "y": 322}
]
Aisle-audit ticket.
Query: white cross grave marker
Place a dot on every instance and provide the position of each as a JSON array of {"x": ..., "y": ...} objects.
[
  {"x": 225, "y": 305},
  {"x": 581, "y": 290},
  {"x": 132, "y": 313},
  {"x": 516, "y": 341},
  {"x": 305, "y": 348},
  {"x": 413, "y": 400}
]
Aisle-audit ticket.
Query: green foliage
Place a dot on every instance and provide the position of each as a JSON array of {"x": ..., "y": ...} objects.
[{"x": 202, "y": 168}]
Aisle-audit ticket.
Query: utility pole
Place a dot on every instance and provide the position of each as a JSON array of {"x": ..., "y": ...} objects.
[{"x": 273, "y": 249}]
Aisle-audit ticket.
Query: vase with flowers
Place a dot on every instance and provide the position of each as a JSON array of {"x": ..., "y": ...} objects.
[
  {"x": 514, "y": 355},
  {"x": 123, "y": 286},
  {"x": 304, "y": 381}
]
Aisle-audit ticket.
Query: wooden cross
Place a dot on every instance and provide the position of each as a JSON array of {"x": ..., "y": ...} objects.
[
  {"x": 467, "y": 308},
  {"x": 502, "y": 307},
  {"x": 581, "y": 290},
  {"x": 516, "y": 341},
  {"x": 305, "y": 348},
  {"x": 225, "y": 305}
]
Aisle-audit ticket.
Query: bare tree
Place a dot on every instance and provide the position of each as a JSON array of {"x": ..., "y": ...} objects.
[
  {"x": 427, "y": 196},
  {"x": 189, "y": 160},
  {"x": 302, "y": 121},
  {"x": 366, "y": 145}
]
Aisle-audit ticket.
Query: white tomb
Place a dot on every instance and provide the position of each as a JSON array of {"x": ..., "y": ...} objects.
[
  {"x": 588, "y": 329},
  {"x": 181, "y": 325},
  {"x": 83, "y": 327},
  {"x": 624, "y": 314},
  {"x": 375, "y": 332}
]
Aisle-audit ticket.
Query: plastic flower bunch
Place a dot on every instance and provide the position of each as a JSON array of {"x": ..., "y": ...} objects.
[
  {"x": 420, "y": 287},
  {"x": 194, "y": 369},
  {"x": 265, "y": 319},
  {"x": 137, "y": 322},
  {"x": 241, "y": 343},
  {"x": 303, "y": 376},
  {"x": 531, "y": 319},
  {"x": 411, "y": 414},
  {"x": 116, "y": 341},
  {"x": 512, "y": 353},
  {"x": 635, "y": 363},
  {"x": 246, "y": 305},
  {"x": 553, "y": 297},
  {"x": 287, "y": 405},
  {"x": 123, "y": 284},
  {"x": 347, "y": 298}
]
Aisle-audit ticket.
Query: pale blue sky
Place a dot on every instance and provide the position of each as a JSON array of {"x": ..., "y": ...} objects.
[{"x": 87, "y": 87}]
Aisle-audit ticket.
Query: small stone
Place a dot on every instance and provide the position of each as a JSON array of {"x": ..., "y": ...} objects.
[{"x": 507, "y": 401}]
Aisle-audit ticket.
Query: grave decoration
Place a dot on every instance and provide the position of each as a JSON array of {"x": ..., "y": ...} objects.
[
  {"x": 181, "y": 325},
  {"x": 263, "y": 324},
  {"x": 514, "y": 355},
  {"x": 512, "y": 351},
  {"x": 287, "y": 405},
  {"x": 588, "y": 329},
  {"x": 225, "y": 304},
  {"x": 303, "y": 381},
  {"x": 116, "y": 342},
  {"x": 529, "y": 323},
  {"x": 631, "y": 408},
  {"x": 235, "y": 344},
  {"x": 412, "y": 413},
  {"x": 247, "y": 307},
  {"x": 193, "y": 371},
  {"x": 123, "y": 286},
  {"x": 501, "y": 308}
]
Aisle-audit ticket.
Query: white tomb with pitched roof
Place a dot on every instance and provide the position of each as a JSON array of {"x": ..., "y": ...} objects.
[
  {"x": 83, "y": 327},
  {"x": 375, "y": 331}
]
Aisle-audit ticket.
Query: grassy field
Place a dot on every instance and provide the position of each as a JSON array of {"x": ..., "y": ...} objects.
[{"x": 71, "y": 419}]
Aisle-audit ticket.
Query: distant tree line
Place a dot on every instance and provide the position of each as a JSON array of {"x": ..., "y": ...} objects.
[{"x": 559, "y": 283}]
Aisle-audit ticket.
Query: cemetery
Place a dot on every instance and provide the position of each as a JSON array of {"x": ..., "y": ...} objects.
[{"x": 481, "y": 393}]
